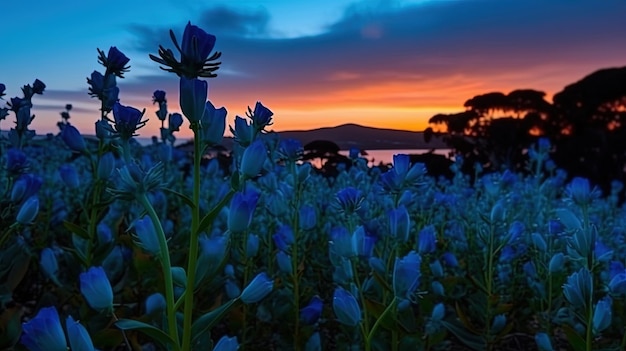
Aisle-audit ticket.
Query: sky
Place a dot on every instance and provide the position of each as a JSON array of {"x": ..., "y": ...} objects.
[{"x": 380, "y": 63}]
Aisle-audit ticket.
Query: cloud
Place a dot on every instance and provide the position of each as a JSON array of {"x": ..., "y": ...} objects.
[{"x": 433, "y": 54}]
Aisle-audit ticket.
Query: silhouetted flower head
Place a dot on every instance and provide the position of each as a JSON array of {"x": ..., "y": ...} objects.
[
  {"x": 261, "y": 116},
  {"x": 127, "y": 120},
  {"x": 38, "y": 87},
  {"x": 194, "y": 54},
  {"x": 175, "y": 121},
  {"x": 2, "y": 89},
  {"x": 158, "y": 97},
  {"x": 115, "y": 61}
]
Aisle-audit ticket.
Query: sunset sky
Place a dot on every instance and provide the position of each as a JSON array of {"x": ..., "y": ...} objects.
[{"x": 390, "y": 64}]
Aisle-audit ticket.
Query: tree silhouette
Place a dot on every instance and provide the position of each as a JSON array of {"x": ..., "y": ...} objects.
[
  {"x": 586, "y": 123},
  {"x": 495, "y": 128}
]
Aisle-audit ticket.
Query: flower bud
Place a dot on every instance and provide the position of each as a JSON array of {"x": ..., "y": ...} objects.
[
  {"x": 602, "y": 315},
  {"x": 193, "y": 97},
  {"x": 252, "y": 245},
  {"x": 72, "y": 138},
  {"x": 155, "y": 304},
  {"x": 226, "y": 344},
  {"x": 69, "y": 176},
  {"x": 28, "y": 211},
  {"x": 346, "y": 307},
  {"x": 49, "y": 264},
  {"x": 258, "y": 288},
  {"x": 96, "y": 289},
  {"x": 543, "y": 342},
  {"x": 253, "y": 158},
  {"x": 78, "y": 336},
  {"x": 556, "y": 263},
  {"x": 213, "y": 124},
  {"x": 284, "y": 262}
]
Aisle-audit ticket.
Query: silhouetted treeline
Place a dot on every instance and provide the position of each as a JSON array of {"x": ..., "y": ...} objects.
[{"x": 586, "y": 125}]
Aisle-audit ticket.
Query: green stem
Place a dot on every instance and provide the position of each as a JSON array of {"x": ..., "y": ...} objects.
[
  {"x": 589, "y": 331},
  {"x": 294, "y": 256},
  {"x": 167, "y": 269},
  {"x": 193, "y": 241},
  {"x": 390, "y": 309}
]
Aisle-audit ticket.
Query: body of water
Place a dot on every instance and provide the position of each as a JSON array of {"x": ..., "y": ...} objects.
[{"x": 386, "y": 156}]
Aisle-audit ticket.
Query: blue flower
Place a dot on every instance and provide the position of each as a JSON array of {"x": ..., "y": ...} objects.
[
  {"x": 426, "y": 240},
  {"x": 257, "y": 289},
  {"x": 399, "y": 223},
  {"x": 307, "y": 218},
  {"x": 96, "y": 83},
  {"x": 28, "y": 211},
  {"x": 350, "y": 200},
  {"x": 284, "y": 237},
  {"x": 175, "y": 121},
  {"x": 115, "y": 61},
  {"x": 193, "y": 98},
  {"x": 69, "y": 176},
  {"x": 556, "y": 264},
  {"x": 311, "y": 313},
  {"x": 158, "y": 97},
  {"x": 96, "y": 288},
  {"x": 26, "y": 186},
  {"x": 578, "y": 288},
  {"x": 146, "y": 236},
  {"x": 253, "y": 159},
  {"x": 539, "y": 242},
  {"x": 261, "y": 117},
  {"x": 543, "y": 342},
  {"x": 602, "y": 315},
  {"x": 449, "y": 259},
  {"x": 243, "y": 132},
  {"x": 44, "y": 332},
  {"x": 579, "y": 191},
  {"x": 72, "y": 138},
  {"x": 241, "y": 209},
  {"x": 127, "y": 120},
  {"x": 252, "y": 245},
  {"x": 226, "y": 344},
  {"x": 49, "y": 264},
  {"x": 341, "y": 242},
  {"x": 213, "y": 124},
  {"x": 406, "y": 275},
  {"x": 16, "y": 161},
  {"x": 439, "y": 311},
  {"x": 290, "y": 150},
  {"x": 106, "y": 165},
  {"x": 362, "y": 243},
  {"x": 38, "y": 87},
  {"x": 617, "y": 284},
  {"x": 346, "y": 307},
  {"x": 194, "y": 52},
  {"x": 155, "y": 304},
  {"x": 283, "y": 261},
  {"x": 78, "y": 336}
]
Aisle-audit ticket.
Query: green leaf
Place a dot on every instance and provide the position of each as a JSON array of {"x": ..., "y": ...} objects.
[
  {"x": 183, "y": 197},
  {"x": 569, "y": 219},
  {"x": 464, "y": 319},
  {"x": 156, "y": 334},
  {"x": 209, "y": 217},
  {"x": 473, "y": 341},
  {"x": 208, "y": 320},
  {"x": 78, "y": 230},
  {"x": 574, "y": 339}
]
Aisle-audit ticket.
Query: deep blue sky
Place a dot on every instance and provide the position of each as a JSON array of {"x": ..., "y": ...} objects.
[{"x": 315, "y": 63}]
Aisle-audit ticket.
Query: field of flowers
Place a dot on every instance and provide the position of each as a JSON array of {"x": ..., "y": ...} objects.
[{"x": 108, "y": 245}]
